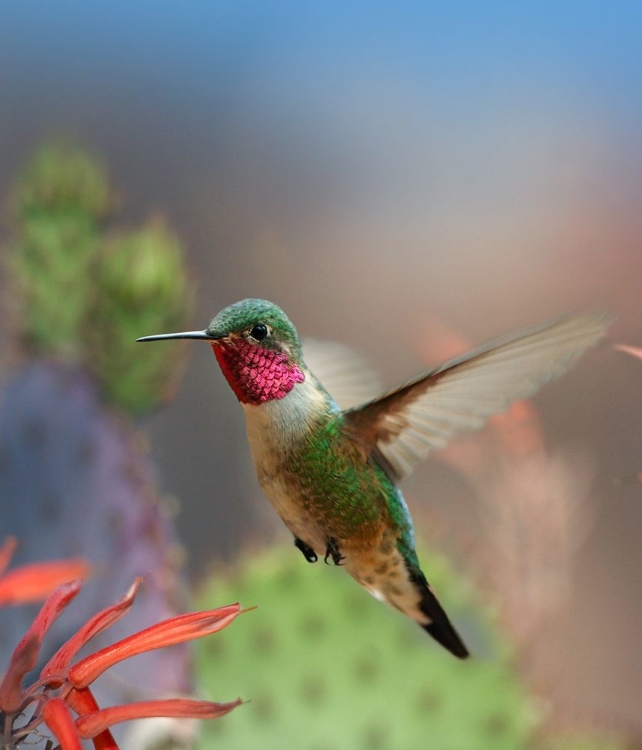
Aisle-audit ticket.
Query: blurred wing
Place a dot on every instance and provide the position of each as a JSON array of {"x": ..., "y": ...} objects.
[
  {"x": 345, "y": 374},
  {"x": 403, "y": 426}
]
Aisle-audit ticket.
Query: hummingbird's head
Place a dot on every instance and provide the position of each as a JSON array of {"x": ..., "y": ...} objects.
[
  {"x": 259, "y": 322},
  {"x": 257, "y": 348}
]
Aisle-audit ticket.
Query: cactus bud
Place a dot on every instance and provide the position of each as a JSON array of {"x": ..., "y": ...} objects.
[
  {"x": 62, "y": 179},
  {"x": 58, "y": 203},
  {"x": 140, "y": 285}
]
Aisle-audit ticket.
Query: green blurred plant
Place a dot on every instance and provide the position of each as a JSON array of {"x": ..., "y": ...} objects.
[
  {"x": 141, "y": 285},
  {"x": 588, "y": 743},
  {"x": 58, "y": 207},
  {"x": 326, "y": 667},
  {"x": 87, "y": 294},
  {"x": 329, "y": 667}
]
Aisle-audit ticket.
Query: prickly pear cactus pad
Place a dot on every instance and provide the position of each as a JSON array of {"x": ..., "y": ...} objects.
[
  {"x": 326, "y": 667},
  {"x": 140, "y": 285},
  {"x": 75, "y": 482},
  {"x": 84, "y": 291},
  {"x": 59, "y": 204},
  {"x": 588, "y": 743}
]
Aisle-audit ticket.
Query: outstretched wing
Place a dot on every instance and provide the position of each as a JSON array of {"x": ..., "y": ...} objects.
[
  {"x": 404, "y": 425},
  {"x": 344, "y": 372}
]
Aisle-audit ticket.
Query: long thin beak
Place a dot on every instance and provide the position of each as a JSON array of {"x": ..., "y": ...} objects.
[{"x": 186, "y": 335}]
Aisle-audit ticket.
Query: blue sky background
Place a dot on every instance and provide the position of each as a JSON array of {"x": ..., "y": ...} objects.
[{"x": 365, "y": 97}]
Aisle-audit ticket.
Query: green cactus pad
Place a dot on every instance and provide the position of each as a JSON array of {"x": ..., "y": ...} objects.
[
  {"x": 326, "y": 667},
  {"x": 611, "y": 742},
  {"x": 59, "y": 203},
  {"x": 86, "y": 293},
  {"x": 141, "y": 287},
  {"x": 62, "y": 179}
]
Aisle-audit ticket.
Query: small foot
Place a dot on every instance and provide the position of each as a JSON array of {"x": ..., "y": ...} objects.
[
  {"x": 333, "y": 552},
  {"x": 309, "y": 554}
]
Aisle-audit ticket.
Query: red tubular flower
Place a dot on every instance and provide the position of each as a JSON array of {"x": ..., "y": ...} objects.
[
  {"x": 60, "y": 687},
  {"x": 58, "y": 718},
  {"x": 91, "y": 724},
  {"x": 31, "y": 583},
  {"x": 59, "y": 662},
  {"x": 25, "y": 655},
  {"x": 167, "y": 633},
  {"x": 6, "y": 552},
  {"x": 83, "y": 702}
]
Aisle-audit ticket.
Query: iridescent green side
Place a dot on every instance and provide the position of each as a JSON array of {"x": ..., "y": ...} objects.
[{"x": 345, "y": 491}]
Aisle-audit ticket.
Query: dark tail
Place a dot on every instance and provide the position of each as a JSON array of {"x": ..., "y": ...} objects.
[{"x": 440, "y": 627}]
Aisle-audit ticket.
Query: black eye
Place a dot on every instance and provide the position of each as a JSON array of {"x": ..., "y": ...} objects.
[{"x": 259, "y": 332}]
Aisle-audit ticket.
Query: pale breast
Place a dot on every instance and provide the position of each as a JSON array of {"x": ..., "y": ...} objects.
[{"x": 275, "y": 429}]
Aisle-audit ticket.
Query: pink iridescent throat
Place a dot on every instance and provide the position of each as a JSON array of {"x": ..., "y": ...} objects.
[{"x": 256, "y": 375}]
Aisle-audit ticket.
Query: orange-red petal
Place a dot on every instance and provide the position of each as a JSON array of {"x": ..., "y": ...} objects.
[
  {"x": 634, "y": 351},
  {"x": 6, "y": 552},
  {"x": 83, "y": 702},
  {"x": 25, "y": 654},
  {"x": 99, "y": 622},
  {"x": 31, "y": 583},
  {"x": 59, "y": 719},
  {"x": 92, "y": 724},
  {"x": 174, "y": 630}
]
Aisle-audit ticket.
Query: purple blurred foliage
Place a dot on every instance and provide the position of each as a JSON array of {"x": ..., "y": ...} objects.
[{"x": 77, "y": 481}]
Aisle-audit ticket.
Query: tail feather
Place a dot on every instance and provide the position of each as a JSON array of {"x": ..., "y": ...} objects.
[{"x": 440, "y": 627}]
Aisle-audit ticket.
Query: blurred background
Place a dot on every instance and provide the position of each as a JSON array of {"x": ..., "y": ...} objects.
[{"x": 409, "y": 179}]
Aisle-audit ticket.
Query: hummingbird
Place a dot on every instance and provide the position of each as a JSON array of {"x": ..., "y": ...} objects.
[{"x": 332, "y": 474}]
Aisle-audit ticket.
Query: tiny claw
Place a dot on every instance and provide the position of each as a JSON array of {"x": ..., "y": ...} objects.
[
  {"x": 309, "y": 554},
  {"x": 333, "y": 552}
]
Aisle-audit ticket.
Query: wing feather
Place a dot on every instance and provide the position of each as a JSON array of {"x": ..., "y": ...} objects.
[
  {"x": 345, "y": 373},
  {"x": 402, "y": 426}
]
